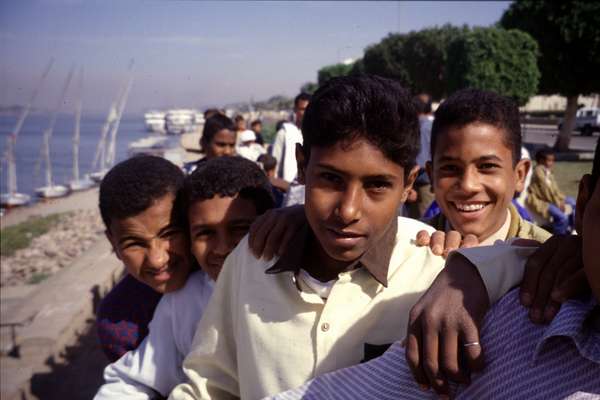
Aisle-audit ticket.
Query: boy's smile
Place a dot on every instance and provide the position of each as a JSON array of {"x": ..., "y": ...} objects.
[
  {"x": 474, "y": 179},
  {"x": 152, "y": 246},
  {"x": 352, "y": 196}
]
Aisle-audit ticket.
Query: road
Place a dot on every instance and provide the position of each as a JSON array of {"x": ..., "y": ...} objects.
[{"x": 546, "y": 134}]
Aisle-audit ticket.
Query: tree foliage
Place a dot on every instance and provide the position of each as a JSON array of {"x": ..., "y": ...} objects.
[
  {"x": 309, "y": 87},
  {"x": 568, "y": 35},
  {"x": 331, "y": 71},
  {"x": 504, "y": 61}
]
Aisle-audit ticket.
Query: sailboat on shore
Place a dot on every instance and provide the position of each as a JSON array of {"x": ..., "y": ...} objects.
[
  {"x": 77, "y": 183},
  {"x": 106, "y": 148},
  {"x": 51, "y": 190},
  {"x": 13, "y": 198}
]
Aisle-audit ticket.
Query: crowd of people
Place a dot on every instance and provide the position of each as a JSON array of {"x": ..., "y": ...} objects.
[{"x": 370, "y": 252}]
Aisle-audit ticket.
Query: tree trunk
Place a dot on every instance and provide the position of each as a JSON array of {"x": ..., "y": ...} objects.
[{"x": 564, "y": 136}]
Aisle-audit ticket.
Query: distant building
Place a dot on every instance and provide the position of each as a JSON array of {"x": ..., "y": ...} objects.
[{"x": 558, "y": 103}]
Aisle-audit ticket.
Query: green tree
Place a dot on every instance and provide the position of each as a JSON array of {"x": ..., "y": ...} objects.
[
  {"x": 331, "y": 71},
  {"x": 504, "y": 61},
  {"x": 309, "y": 87},
  {"x": 424, "y": 56},
  {"x": 568, "y": 35},
  {"x": 385, "y": 59}
]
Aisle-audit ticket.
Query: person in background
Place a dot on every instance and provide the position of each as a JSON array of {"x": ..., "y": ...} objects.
[
  {"x": 256, "y": 127},
  {"x": 218, "y": 139},
  {"x": 269, "y": 164},
  {"x": 240, "y": 126},
  {"x": 141, "y": 209},
  {"x": 222, "y": 198},
  {"x": 544, "y": 197},
  {"x": 248, "y": 148},
  {"x": 286, "y": 138},
  {"x": 418, "y": 201}
]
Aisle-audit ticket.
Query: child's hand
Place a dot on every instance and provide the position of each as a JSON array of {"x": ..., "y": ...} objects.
[
  {"x": 271, "y": 233},
  {"x": 442, "y": 243}
]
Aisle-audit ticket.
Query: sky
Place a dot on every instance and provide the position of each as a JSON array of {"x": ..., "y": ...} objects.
[{"x": 197, "y": 53}]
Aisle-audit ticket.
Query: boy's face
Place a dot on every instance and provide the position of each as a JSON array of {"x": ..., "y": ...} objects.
[
  {"x": 257, "y": 128},
  {"x": 153, "y": 247},
  {"x": 588, "y": 223},
  {"x": 216, "y": 226},
  {"x": 548, "y": 161},
  {"x": 222, "y": 144},
  {"x": 474, "y": 179},
  {"x": 353, "y": 193},
  {"x": 299, "y": 110}
]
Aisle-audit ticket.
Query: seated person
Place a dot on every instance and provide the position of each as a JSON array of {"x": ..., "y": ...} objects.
[
  {"x": 545, "y": 199},
  {"x": 523, "y": 360},
  {"x": 248, "y": 148},
  {"x": 218, "y": 139},
  {"x": 138, "y": 204},
  {"x": 476, "y": 167},
  {"x": 325, "y": 303},
  {"x": 222, "y": 198}
]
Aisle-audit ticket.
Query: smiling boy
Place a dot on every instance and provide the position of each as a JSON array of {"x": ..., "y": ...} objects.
[
  {"x": 342, "y": 290},
  {"x": 476, "y": 167},
  {"x": 146, "y": 228}
]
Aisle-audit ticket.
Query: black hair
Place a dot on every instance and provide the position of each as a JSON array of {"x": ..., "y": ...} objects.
[
  {"x": 212, "y": 126},
  {"x": 423, "y": 107},
  {"x": 133, "y": 185},
  {"x": 267, "y": 161},
  {"x": 238, "y": 118},
  {"x": 367, "y": 106},
  {"x": 470, "y": 106},
  {"x": 302, "y": 97},
  {"x": 595, "y": 167},
  {"x": 255, "y": 122},
  {"x": 209, "y": 112},
  {"x": 279, "y": 125},
  {"x": 229, "y": 176},
  {"x": 542, "y": 154}
]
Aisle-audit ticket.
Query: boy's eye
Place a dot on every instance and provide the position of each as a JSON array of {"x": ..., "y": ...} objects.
[
  {"x": 448, "y": 168},
  {"x": 132, "y": 244},
  {"x": 170, "y": 232},
  {"x": 203, "y": 233},
  {"x": 488, "y": 166},
  {"x": 329, "y": 177},
  {"x": 378, "y": 186}
]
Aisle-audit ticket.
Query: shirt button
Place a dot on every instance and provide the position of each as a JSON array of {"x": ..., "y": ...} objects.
[{"x": 324, "y": 326}]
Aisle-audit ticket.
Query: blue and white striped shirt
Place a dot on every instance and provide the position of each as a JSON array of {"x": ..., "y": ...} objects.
[{"x": 524, "y": 361}]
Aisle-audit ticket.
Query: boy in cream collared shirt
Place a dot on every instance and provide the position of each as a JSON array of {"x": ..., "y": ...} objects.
[{"x": 344, "y": 289}]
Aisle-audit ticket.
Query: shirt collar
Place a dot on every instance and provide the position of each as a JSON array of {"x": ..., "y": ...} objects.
[
  {"x": 376, "y": 260},
  {"x": 574, "y": 321}
]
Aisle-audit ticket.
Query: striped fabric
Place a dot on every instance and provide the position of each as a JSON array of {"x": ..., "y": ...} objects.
[{"x": 524, "y": 361}]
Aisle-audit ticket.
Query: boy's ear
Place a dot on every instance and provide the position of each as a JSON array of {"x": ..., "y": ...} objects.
[
  {"x": 111, "y": 239},
  {"x": 583, "y": 196},
  {"x": 521, "y": 170},
  {"x": 301, "y": 161}
]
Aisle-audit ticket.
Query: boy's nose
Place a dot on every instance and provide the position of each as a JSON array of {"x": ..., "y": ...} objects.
[
  {"x": 469, "y": 181},
  {"x": 350, "y": 205},
  {"x": 224, "y": 245},
  {"x": 158, "y": 254}
]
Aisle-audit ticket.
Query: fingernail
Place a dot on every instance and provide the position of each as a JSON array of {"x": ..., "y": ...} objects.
[
  {"x": 536, "y": 315},
  {"x": 549, "y": 313},
  {"x": 437, "y": 249},
  {"x": 424, "y": 387},
  {"x": 526, "y": 299}
]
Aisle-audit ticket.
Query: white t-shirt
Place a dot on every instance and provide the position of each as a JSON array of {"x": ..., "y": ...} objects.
[{"x": 155, "y": 366}]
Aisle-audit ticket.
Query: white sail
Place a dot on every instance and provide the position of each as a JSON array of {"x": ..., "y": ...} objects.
[
  {"x": 110, "y": 156},
  {"x": 76, "y": 128}
]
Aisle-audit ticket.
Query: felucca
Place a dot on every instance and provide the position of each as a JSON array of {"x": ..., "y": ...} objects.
[{"x": 77, "y": 184}]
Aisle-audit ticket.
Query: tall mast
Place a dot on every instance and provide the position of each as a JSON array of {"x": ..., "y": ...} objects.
[
  {"x": 50, "y": 128},
  {"x": 76, "y": 130},
  {"x": 110, "y": 156},
  {"x": 12, "y": 138}
]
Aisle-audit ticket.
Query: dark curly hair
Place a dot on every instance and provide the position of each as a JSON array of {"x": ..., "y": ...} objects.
[
  {"x": 131, "y": 186},
  {"x": 212, "y": 126},
  {"x": 470, "y": 106},
  {"x": 367, "y": 107},
  {"x": 228, "y": 176}
]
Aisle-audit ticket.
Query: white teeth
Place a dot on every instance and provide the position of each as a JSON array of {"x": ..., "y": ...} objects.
[{"x": 470, "y": 207}]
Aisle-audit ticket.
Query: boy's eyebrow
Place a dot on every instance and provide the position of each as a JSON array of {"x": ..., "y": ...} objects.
[
  {"x": 489, "y": 157},
  {"x": 376, "y": 176}
]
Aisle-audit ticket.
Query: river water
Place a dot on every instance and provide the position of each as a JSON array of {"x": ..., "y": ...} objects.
[{"x": 29, "y": 144}]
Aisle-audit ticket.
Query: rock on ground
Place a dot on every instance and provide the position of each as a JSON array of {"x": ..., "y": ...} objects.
[{"x": 52, "y": 251}]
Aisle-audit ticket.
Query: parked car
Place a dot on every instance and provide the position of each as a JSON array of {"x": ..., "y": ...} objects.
[{"x": 587, "y": 121}]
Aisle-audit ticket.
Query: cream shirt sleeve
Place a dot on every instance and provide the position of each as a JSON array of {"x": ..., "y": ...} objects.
[
  {"x": 500, "y": 266},
  {"x": 211, "y": 366},
  {"x": 278, "y": 149}
]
